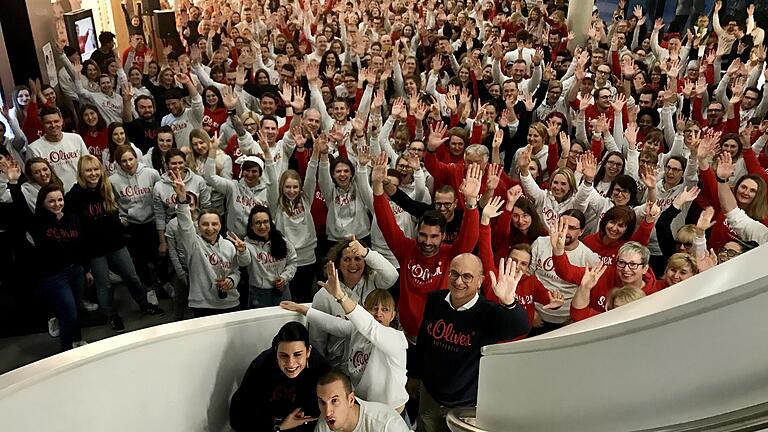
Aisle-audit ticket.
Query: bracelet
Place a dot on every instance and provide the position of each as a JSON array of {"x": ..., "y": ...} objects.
[
  {"x": 470, "y": 206},
  {"x": 511, "y": 305},
  {"x": 232, "y": 112},
  {"x": 721, "y": 180},
  {"x": 342, "y": 298}
]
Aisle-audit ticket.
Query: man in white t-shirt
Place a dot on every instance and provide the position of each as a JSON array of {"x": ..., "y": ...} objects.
[
  {"x": 181, "y": 119},
  {"x": 61, "y": 149},
  {"x": 340, "y": 410},
  {"x": 543, "y": 268}
]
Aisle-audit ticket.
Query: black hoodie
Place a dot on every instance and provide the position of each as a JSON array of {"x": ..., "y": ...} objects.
[{"x": 102, "y": 230}]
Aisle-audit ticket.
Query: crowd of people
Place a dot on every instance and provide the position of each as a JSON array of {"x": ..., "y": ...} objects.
[{"x": 431, "y": 177}]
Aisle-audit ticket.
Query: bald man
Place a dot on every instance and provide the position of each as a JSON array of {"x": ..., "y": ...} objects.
[{"x": 457, "y": 324}]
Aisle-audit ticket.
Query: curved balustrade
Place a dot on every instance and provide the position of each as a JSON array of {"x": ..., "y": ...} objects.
[
  {"x": 173, "y": 377},
  {"x": 693, "y": 351}
]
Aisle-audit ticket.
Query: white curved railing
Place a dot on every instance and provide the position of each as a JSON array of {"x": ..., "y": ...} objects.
[
  {"x": 173, "y": 377},
  {"x": 695, "y": 350}
]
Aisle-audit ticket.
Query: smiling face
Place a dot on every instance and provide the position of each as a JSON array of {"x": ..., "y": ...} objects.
[
  {"x": 118, "y": 135},
  {"x": 199, "y": 146},
  {"x": 464, "y": 279},
  {"x": 731, "y": 146},
  {"x": 342, "y": 174},
  {"x": 627, "y": 275},
  {"x": 176, "y": 164},
  {"x": 54, "y": 202},
  {"x": 292, "y": 358},
  {"x": 614, "y": 229},
  {"x": 673, "y": 172},
  {"x": 164, "y": 141},
  {"x": 678, "y": 274},
  {"x": 351, "y": 266},
  {"x": 613, "y": 166},
  {"x": 746, "y": 192},
  {"x": 40, "y": 173},
  {"x": 92, "y": 173},
  {"x": 209, "y": 226},
  {"x": 90, "y": 117},
  {"x": 559, "y": 187},
  {"x": 521, "y": 220},
  {"x": 260, "y": 224},
  {"x": 291, "y": 189}
]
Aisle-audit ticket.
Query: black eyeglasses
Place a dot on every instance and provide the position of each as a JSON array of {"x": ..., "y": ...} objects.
[
  {"x": 632, "y": 265},
  {"x": 467, "y": 278},
  {"x": 730, "y": 253},
  {"x": 443, "y": 204}
]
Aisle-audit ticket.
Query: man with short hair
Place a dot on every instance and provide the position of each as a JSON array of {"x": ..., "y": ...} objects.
[
  {"x": 541, "y": 266},
  {"x": 141, "y": 130},
  {"x": 457, "y": 324},
  {"x": 341, "y": 411},
  {"x": 445, "y": 203},
  {"x": 61, "y": 149},
  {"x": 181, "y": 119},
  {"x": 106, "y": 49}
]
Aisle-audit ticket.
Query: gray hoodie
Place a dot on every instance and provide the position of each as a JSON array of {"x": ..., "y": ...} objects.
[
  {"x": 348, "y": 211},
  {"x": 263, "y": 268},
  {"x": 240, "y": 198},
  {"x": 134, "y": 193},
  {"x": 207, "y": 263},
  {"x": 164, "y": 197}
]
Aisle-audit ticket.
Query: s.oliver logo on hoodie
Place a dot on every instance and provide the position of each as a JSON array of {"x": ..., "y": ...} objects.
[
  {"x": 62, "y": 156},
  {"x": 171, "y": 199},
  {"x": 441, "y": 331},
  {"x": 246, "y": 201},
  {"x": 134, "y": 190},
  {"x": 61, "y": 233},
  {"x": 424, "y": 275},
  {"x": 216, "y": 261}
]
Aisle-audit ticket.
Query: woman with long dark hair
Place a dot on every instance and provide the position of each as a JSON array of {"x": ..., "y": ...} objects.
[
  {"x": 94, "y": 200},
  {"x": 62, "y": 265},
  {"x": 519, "y": 223},
  {"x": 93, "y": 129},
  {"x": 116, "y": 137},
  {"x": 155, "y": 157},
  {"x": 214, "y": 114},
  {"x": 272, "y": 260}
]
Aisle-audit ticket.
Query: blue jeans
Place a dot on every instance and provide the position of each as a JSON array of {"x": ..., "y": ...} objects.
[
  {"x": 62, "y": 290},
  {"x": 119, "y": 262},
  {"x": 266, "y": 297}
]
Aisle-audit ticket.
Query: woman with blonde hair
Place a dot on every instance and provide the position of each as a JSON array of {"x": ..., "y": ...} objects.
[
  {"x": 623, "y": 295},
  {"x": 202, "y": 148},
  {"x": 557, "y": 198},
  {"x": 538, "y": 140},
  {"x": 680, "y": 267},
  {"x": 290, "y": 202},
  {"x": 94, "y": 201}
]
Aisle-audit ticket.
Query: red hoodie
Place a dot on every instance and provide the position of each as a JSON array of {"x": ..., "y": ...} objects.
[
  {"x": 608, "y": 252},
  {"x": 597, "y": 298},
  {"x": 420, "y": 275},
  {"x": 453, "y": 174}
]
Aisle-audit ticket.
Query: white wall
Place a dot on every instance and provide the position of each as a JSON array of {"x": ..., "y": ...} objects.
[
  {"x": 694, "y": 350},
  {"x": 174, "y": 377}
]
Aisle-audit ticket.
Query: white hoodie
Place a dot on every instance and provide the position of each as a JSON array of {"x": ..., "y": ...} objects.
[
  {"x": 134, "y": 194},
  {"x": 240, "y": 198},
  {"x": 207, "y": 263},
  {"x": 164, "y": 197},
  {"x": 348, "y": 211},
  {"x": 298, "y": 226},
  {"x": 374, "y": 357}
]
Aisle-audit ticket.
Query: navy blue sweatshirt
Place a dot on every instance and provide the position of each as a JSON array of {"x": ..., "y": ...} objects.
[
  {"x": 266, "y": 396},
  {"x": 58, "y": 243},
  {"x": 449, "y": 343},
  {"x": 102, "y": 230}
]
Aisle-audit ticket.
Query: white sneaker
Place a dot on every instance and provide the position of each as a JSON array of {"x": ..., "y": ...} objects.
[
  {"x": 89, "y": 306},
  {"x": 115, "y": 279},
  {"x": 53, "y": 327},
  {"x": 152, "y": 297},
  {"x": 79, "y": 343}
]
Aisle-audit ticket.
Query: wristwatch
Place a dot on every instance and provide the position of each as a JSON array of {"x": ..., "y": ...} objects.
[
  {"x": 342, "y": 298},
  {"x": 511, "y": 305},
  {"x": 470, "y": 206},
  {"x": 721, "y": 180}
]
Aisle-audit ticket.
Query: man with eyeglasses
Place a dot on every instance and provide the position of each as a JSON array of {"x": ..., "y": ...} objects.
[
  {"x": 554, "y": 102},
  {"x": 445, "y": 203},
  {"x": 457, "y": 323},
  {"x": 631, "y": 269}
]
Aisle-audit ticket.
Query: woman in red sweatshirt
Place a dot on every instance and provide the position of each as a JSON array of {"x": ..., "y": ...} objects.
[
  {"x": 93, "y": 129},
  {"x": 617, "y": 228},
  {"x": 631, "y": 268},
  {"x": 214, "y": 114}
]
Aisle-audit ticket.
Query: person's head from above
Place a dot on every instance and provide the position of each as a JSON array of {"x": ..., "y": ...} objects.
[
  {"x": 562, "y": 62},
  {"x": 654, "y": 140},
  {"x": 623, "y": 190},
  {"x": 562, "y": 184},
  {"x": 290, "y": 185},
  {"x": 510, "y": 91},
  {"x": 91, "y": 119},
  {"x": 680, "y": 267},
  {"x": 597, "y": 57},
  {"x": 194, "y": 13},
  {"x": 554, "y": 92},
  {"x": 107, "y": 41},
  {"x": 39, "y": 171},
  {"x": 52, "y": 122},
  {"x": 702, "y": 22},
  {"x": 145, "y": 107},
  {"x": 538, "y": 136},
  {"x": 464, "y": 278},
  {"x": 199, "y": 142},
  {"x": 165, "y": 140},
  {"x": 212, "y": 97},
  {"x": 268, "y": 103},
  {"x": 90, "y": 172},
  {"x": 632, "y": 263},
  {"x": 72, "y": 54},
  {"x": 684, "y": 239},
  {"x": 732, "y": 249},
  {"x": 602, "y": 74},
  {"x": 287, "y": 73},
  {"x": 731, "y": 143},
  {"x": 173, "y": 102},
  {"x": 175, "y": 160},
  {"x": 262, "y": 77},
  {"x": 260, "y": 224},
  {"x": 618, "y": 223},
  {"x": 336, "y": 400},
  {"x": 49, "y": 93},
  {"x": 750, "y": 193},
  {"x": 431, "y": 232},
  {"x": 381, "y": 305},
  {"x": 612, "y": 166},
  {"x": 674, "y": 169},
  {"x": 714, "y": 113},
  {"x": 342, "y": 172},
  {"x": 126, "y": 157},
  {"x": 458, "y": 139},
  {"x": 311, "y": 120},
  {"x": 393, "y": 180},
  {"x": 21, "y": 96},
  {"x": 623, "y": 295},
  {"x": 292, "y": 349},
  {"x": 50, "y": 199},
  {"x": 526, "y": 219},
  {"x": 575, "y": 220},
  {"x": 269, "y": 127},
  {"x": 476, "y": 154}
]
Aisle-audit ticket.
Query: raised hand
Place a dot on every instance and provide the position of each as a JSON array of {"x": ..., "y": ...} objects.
[
  {"x": 706, "y": 261},
  {"x": 437, "y": 136},
  {"x": 363, "y": 155},
  {"x": 705, "y": 221},
  {"x": 592, "y": 275},
  {"x": 286, "y": 93},
  {"x": 649, "y": 177},
  {"x": 493, "y": 172},
  {"x": 294, "y": 307},
  {"x": 631, "y": 135},
  {"x": 379, "y": 170},
  {"x": 178, "y": 186},
  {"x": 505, "y": 287},
  {"x": 557, "y": 236},
  {"x": 239, "y": 244},
  {"x": 470, "y": 187},
  {"x": 686, "y": 196},
  {"x": 498, "y": 137},
  {"x": 725, "y": 166},
  {"x": 658, "y": 24},
  {"x": 588, "y": 166},
  {"x": 556, "y": 299},
  {"x": 229, "y": 97},
  {"x": 295, "y": 419},
  {"x": 491, "y": 210},
  {"x": 652, "y": 211},
  {"x": 619, "y": 103},
  {"x": 298, "y": 137}
]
